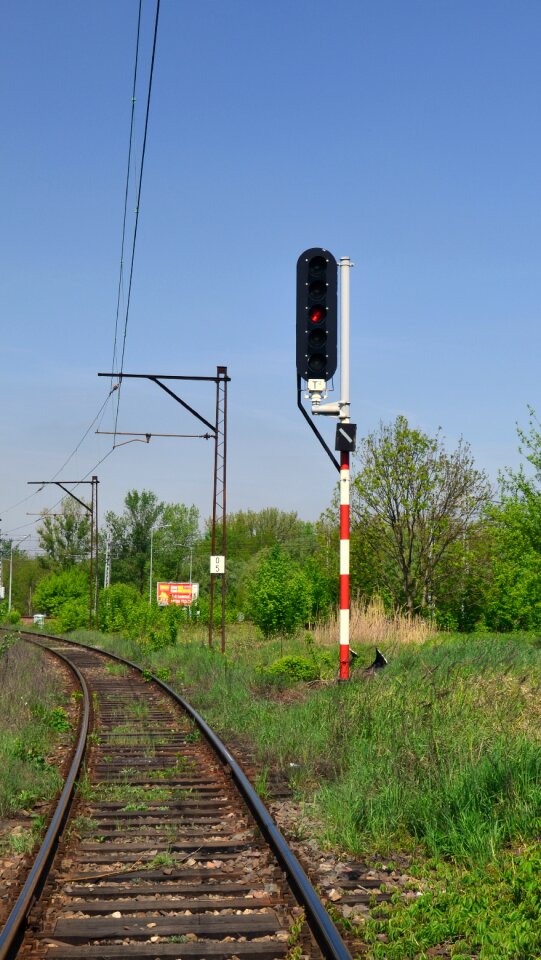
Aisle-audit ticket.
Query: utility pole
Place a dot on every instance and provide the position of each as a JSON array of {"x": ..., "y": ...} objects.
[
  {"x": 107, "y": 571},
  {"x": 163, "y": 526},
  {"x": 219, "y": 434},
  {"x": 11, "y": 566},
  {"x": 94, "y": 617},
  {"x": 219, "y": 526},
  {"x": 2, "y": 590},
  {"x": 92, "y": 509}
]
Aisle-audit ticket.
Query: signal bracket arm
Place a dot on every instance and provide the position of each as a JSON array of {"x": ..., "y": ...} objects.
[{"x": 313, "y": 426}]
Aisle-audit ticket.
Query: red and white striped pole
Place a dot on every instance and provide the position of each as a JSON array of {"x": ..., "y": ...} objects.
[
  {"x": 345, "y": 266},
  {"x": 344, "y": 566}
]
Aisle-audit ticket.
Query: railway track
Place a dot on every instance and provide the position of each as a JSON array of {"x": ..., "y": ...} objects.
[{"x": 164, "y": 849}]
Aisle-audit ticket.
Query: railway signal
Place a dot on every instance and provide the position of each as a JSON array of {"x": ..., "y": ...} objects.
[
  {"x": 317, "y": 322},
  {"x": 317, "y": 360}
]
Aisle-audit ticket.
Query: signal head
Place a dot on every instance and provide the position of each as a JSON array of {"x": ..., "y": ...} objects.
[{"x": 317, "y": 331}]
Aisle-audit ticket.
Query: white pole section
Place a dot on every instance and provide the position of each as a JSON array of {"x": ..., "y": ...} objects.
[
  {"x": 11, "y": 565},
  {"x": 150, "y": 574},
  {"x": 107, "y": 572},
  {"x": 164, "y": 526},
  {"x": 345, "y": 266},
  {"x": 10, "y": 574}
]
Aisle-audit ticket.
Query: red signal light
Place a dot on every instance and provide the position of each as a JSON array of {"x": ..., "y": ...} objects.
[{"x": 317, "y": 314}]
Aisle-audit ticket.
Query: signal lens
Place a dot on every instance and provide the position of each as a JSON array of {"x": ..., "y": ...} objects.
[
  {"x": 317, "y": 339},
  {"x": 317, "y": 314},
  {"x": 317, "y": 267},
  {"x": 317, "y": 362},
  {"x": 317, "y": 290}
]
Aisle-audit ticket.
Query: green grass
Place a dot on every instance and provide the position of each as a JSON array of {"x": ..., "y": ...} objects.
[
  {"x": 32, "y": 720},
  {"x": 24, "y": 839},
  {"x": 492, "y": 913},
  {"x": 127, "y": 794},
  {"x": 117, "y": 669},
  {"x": 441, "y": 749},
  {"x": 434, "y": 761}
]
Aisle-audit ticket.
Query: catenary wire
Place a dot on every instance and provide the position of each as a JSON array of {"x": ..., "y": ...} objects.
[
  {"x": 115, "y": 386},
  {"x": 72, "y": 454},
  {"x": 126, "y": 191},
  {"x": 137, "y": 208}
]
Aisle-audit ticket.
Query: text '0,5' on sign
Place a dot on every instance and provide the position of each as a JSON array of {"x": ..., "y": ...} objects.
[
  {"x": 217, "y": 564},
  {"x": 176, "y": 594}
]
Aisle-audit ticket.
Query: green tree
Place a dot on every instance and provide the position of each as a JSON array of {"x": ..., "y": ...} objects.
[
  {"x": 514, "y": 599},
  {"x": 129, "y": 533},
  {"x": 176, "y": 551},
  {"x": 27, "y": 572},
  {"x": 117, "y": 604},
  {"x": 323, "y": 587},
  {"x": 65, "y": 536},
  {"x": 466, "y": 577},
  {"x": 58, "y": 589},
  {"x": 279, "y": 595},
  {"x": 250, "y": 531},
  {"x": 250, "y": 535},
  {"x": 412, "y": 501}
]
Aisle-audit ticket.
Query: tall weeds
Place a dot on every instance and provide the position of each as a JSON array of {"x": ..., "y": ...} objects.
[
  {"x": 440, "y": 751},
  {"x": 28, "y": 711},
  {"x": 370, "y": 625}
]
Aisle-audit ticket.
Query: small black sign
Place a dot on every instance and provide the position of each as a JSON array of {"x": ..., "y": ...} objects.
[{"x": 346, "y": 434}]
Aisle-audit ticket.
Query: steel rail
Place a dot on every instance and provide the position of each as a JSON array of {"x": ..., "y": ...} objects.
[
  {"x": 322, "y": 927},
  {"x": 13, "y": 930}
]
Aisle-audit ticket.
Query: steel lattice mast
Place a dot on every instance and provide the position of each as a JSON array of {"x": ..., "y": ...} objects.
[{"x": 219, "y": 508}]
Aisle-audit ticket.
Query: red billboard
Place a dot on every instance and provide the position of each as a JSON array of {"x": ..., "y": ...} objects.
[{"x": 181, "y": 594}]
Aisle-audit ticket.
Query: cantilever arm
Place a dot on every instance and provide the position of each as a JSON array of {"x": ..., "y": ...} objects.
[{"x": 313, "y": 426}]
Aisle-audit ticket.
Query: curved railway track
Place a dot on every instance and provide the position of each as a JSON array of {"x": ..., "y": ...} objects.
[{"x": 164, "y": 850}]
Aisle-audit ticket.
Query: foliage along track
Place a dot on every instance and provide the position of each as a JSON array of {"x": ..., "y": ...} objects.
[{"x": 161, "y": 856}]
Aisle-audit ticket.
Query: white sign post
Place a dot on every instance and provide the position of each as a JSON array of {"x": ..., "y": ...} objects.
[{"x": 217, "y": 564}]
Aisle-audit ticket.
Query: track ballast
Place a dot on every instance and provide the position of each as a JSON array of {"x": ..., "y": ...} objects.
[{"x": 161, "y": 856}]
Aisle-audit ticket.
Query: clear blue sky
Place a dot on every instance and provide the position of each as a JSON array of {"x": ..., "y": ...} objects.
[{"x": 405, "y": 135}]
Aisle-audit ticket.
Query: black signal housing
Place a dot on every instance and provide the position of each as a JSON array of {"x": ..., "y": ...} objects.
[{"x": 317, "y": 314}]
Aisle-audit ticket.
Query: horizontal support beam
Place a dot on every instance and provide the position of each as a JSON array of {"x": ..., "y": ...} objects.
[{"x": 162, "y": 376}]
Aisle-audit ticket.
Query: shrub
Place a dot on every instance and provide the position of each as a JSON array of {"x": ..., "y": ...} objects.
[
  {"x": 73, "y": 613},
  {"x": 279, "y": 595},
  {"x": 201, "y": 611},
  {"x": 293, "y": 669},
  {"x": 13, "y": 616},
  {"x": 57, "y": 589},
  {"x": 117, "y": 605},
  {"x": 9, "y": 616}
]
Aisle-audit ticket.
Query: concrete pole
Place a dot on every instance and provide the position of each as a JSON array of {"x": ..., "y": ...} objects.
[{"x": 11, "y": 566}]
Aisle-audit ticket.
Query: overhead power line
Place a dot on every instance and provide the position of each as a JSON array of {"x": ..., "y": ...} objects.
[
  {"x": 116, "y": 386},
  {"x": 138, "y": 206},
  {"x": 126, "y": 191},
  {"x": 85, "y": 434},
  {"x": 72, "y": 454}
]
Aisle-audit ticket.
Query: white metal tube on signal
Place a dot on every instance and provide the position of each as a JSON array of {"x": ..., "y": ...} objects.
[{"x": 345, "y": 267}]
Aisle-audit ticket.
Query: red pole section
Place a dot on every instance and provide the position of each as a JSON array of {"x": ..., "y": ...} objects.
[{"x": 344, "y": 565}]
